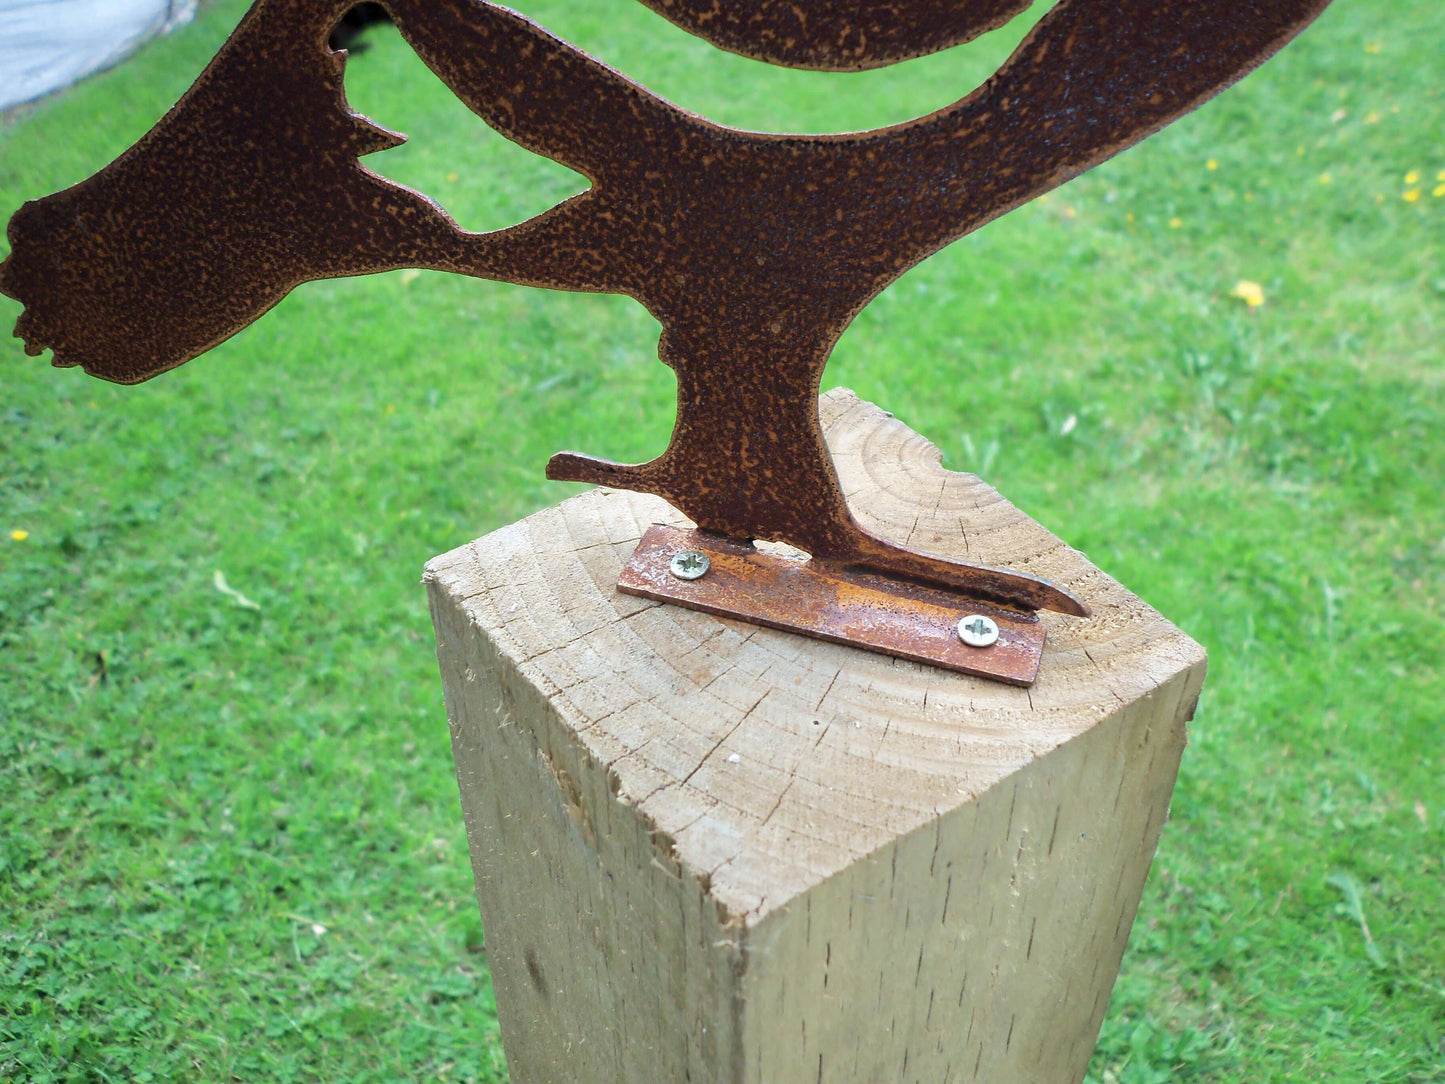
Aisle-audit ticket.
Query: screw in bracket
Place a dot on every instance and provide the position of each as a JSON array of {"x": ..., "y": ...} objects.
[
  {"x": 689, "y": 564},
  {"x": 978, "y": 631}
]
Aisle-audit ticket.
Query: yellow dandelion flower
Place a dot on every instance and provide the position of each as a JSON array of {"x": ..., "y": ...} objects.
[
  {"x": 1212, "y": 164},
  {"x": 1249, "y": 197},
  {"x": 1413, "y": 177},
  {"x": 1129, "y": 217},
  {"x": 1325, "y": 178},
  {"x": 1411, "y": 195},
  {"x": 1069, "y": 212},
  {"x": 1175, "y": 223},
  {"x": 1372, "y": 48},
  {"x": 1440, "y": 176},
  {"x": 1438, "y": 191},
  {"x": 1372, "y": 117},
  {"x": 390, "y": 409},
  {"x": 1251, "y": 293},
  {"x": 454, "y": 176},
  {"x": 18, "y": 535}
]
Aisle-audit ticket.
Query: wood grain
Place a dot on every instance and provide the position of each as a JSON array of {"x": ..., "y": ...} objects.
[{"x": 708, "y": 851}]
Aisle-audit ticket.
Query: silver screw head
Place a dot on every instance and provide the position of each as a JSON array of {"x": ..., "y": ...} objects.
[
  {"x": 978, "y": 631},
  {"x": 689, "y": 564}
]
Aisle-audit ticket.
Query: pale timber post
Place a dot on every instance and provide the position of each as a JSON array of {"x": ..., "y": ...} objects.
[{"x": 711, "y": 852}]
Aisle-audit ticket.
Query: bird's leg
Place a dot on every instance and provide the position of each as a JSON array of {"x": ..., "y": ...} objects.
[
  {"x": 747, "y": 457},
  {"x": 748, "y": 460}
]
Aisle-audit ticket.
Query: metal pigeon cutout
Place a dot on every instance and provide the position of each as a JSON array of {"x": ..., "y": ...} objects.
[{"x": 754, "y": 251}]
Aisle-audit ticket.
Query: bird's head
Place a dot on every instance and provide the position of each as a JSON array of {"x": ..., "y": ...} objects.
[{"x": 248, "y": 187}]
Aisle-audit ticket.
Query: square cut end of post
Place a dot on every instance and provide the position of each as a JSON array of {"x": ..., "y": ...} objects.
[{"x": 711, "y": 851}]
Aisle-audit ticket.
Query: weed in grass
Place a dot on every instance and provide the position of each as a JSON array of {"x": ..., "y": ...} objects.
[{"x": 231, "y": 842}]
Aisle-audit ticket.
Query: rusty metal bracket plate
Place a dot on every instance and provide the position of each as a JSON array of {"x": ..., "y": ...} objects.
[{"x": 820, "y": 599}]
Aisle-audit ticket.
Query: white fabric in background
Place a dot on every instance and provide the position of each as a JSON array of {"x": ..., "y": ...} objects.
[{"x": 49, "y": 44}]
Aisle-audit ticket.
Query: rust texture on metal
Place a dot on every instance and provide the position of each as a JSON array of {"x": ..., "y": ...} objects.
[
  {"x": 754, "y": 251},
  {"x": 837, "y": 35},
  {"x": 878, "y": 613}
]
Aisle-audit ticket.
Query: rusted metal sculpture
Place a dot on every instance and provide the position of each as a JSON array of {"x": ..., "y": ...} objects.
[{"x": 754, "y": 251}]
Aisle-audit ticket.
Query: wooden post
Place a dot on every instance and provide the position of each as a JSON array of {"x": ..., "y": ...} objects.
[{"x": 711, "y": 852}]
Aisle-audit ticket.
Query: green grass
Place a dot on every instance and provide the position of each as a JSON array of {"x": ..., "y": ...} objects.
[{"x": 192, "y": 790}]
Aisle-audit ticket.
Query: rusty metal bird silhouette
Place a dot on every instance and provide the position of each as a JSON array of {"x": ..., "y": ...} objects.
[{"x": 754, "y": 251}]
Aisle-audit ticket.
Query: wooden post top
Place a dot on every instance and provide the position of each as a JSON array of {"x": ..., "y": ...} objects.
[{"x": 768, "y": 761}]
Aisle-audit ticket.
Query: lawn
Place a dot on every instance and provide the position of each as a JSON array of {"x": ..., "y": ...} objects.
[{"x": 230, "y": 844}]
